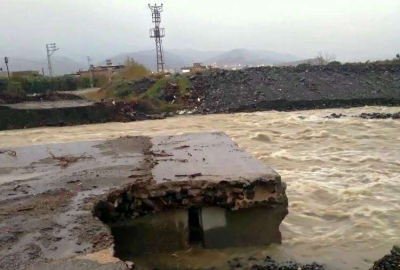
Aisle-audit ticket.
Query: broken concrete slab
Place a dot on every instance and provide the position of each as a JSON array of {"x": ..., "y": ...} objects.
[
  {"x": 48, "y": 194},
  {"x": 197, "y": 172}
]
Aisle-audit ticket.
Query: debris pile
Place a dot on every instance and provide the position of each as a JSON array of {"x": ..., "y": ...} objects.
[
  {"x": 268, "y": 263},
  {"x": 291, "y": 88},
  {"x": 394, "y": 116},
  {"x": 169, "y": 93},
  {"x": 8, "y": 152},
  {"x": 380, "y": 115},
  {"x": 65, "y": 161}
]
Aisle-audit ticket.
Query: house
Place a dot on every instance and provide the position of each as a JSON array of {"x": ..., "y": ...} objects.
[
  {"x": 101, "y": 73},
  {"x": 24, "y": 73},
  {"x": 197, "y": 67}
]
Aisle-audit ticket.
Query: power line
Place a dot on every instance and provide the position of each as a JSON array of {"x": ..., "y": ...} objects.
[
  {"x": 77, "y": 54},
  {"x": 90, "y": 71},
  {"x": 25, "y": 60}
]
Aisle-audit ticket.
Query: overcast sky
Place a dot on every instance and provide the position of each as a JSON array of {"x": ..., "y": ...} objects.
[{"x": 352, "y": 29}]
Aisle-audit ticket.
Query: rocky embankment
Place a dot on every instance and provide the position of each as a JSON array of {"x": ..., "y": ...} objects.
[
  {"x": 393, "y": 116},
  {"x": 390, "y": 261},
  {"x": 293, "y": 88}
]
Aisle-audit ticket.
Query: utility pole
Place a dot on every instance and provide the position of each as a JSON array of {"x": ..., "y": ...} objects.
[
  {"x": 158, "y": 33},
  {"x": 90, "y": 71},
  {"x": 8, "y": 71},
  {"x": 50, "y": 48}
]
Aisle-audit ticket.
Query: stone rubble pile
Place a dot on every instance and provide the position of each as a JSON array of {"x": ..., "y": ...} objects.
[
  {"x": 389, "y": 262},
  {"x": 303, "y": 87}
]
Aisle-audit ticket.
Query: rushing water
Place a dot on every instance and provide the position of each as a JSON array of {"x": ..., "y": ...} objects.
[{"x": 343, "y": 177}]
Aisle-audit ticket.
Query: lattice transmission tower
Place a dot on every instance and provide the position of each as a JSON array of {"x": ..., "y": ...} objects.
[
  {"x": 50, "y": 49},
  {"x": 158, "y": 33}
]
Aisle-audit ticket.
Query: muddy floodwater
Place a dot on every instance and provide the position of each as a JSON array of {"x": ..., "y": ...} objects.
[{"x": 343, "y": 178}]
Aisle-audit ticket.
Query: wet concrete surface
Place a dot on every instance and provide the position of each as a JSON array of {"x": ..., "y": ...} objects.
[
  {"x": 48, "y": 192},
  {"x": 45, "y": 206}
]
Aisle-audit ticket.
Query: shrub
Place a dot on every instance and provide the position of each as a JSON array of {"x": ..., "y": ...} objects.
[
  {"x": 334, "y": 63},
  {"x": 3, "y": 85},
  {"x": 133, "y": 71},
  {"x": 14, "y": 88}
]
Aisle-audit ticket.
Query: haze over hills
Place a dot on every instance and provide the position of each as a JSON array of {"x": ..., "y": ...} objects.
[
  {"x": 174, "y": 58},
  {"x": 247, "y": 57}
]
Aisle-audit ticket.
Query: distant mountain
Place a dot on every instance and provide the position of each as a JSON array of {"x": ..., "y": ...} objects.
[
  {"x": 148, "y": 59},
  {"x": 61, "y": 65},
  {"x": 247, "y": 57},
  {"x": 175, "y": 59},
  {"x": 195, "y": 56}
]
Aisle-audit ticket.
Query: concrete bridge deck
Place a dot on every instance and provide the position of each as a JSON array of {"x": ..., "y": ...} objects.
[{"x": 48, "y": 192}]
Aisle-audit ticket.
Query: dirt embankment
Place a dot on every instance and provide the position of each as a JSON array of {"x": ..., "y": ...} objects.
[{"x": 293, "y": 88}]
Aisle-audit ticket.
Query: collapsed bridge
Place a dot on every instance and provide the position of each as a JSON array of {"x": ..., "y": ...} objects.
[{"x": 152, "y": 195}]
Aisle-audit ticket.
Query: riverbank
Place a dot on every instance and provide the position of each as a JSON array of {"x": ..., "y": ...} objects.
[{"x": 222, "y": 91}]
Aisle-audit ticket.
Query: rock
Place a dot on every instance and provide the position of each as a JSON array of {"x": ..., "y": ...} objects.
[
  {"x": 390, "y": 261},
  {"x": 8, "y": 239},
  {"x": 130, "y": 265}
]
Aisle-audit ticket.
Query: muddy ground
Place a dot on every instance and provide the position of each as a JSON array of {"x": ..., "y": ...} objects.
[
  {"x": 47, "y": 195},
  {"x": 8, "y": 98}
]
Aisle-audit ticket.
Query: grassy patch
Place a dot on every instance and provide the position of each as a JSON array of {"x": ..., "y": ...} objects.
[
  {"x": 184, "y": 85},
  {"x": 168, "y": 108},
  {"x": 155, "y": 90}
]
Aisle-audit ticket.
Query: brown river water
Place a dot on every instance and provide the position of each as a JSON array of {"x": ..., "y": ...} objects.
[{"x": 343, "y": 178}]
